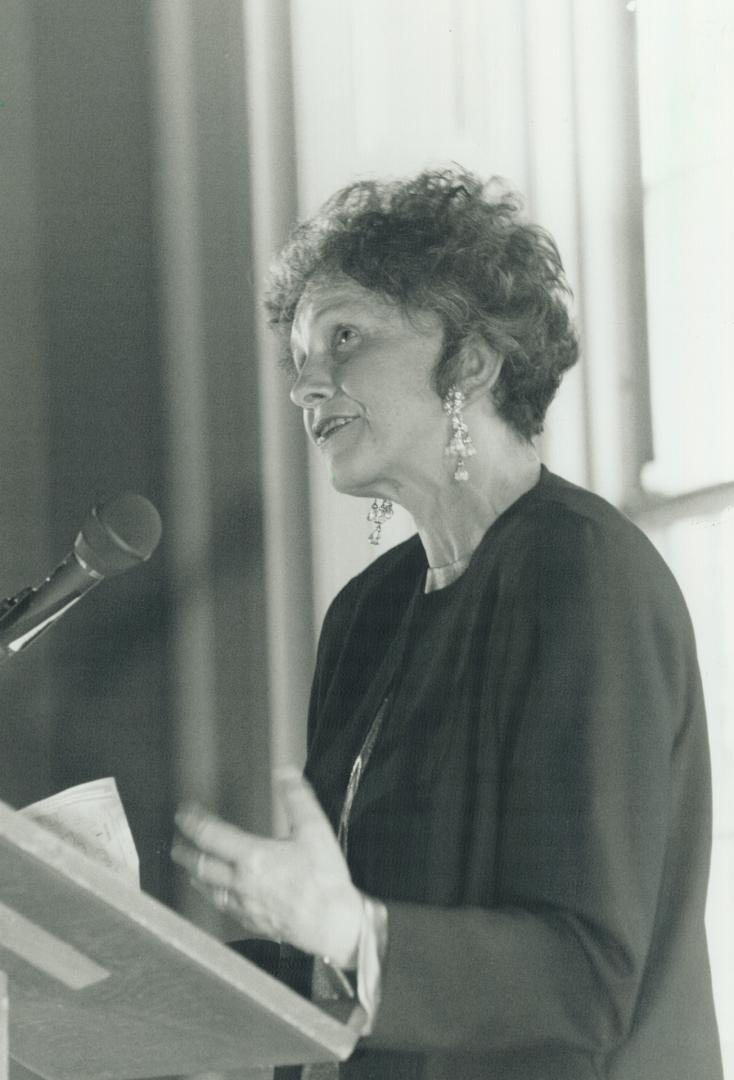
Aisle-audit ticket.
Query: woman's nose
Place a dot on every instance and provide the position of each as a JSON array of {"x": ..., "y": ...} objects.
[{"x": 314, "y": 383}]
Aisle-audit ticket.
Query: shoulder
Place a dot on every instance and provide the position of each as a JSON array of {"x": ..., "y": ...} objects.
[
  {"x": 381, "y": 589},
  {"x": 364, "y": 616},
  {"x": 566, "y": 525},
  {"x": 569, "y": 546}
]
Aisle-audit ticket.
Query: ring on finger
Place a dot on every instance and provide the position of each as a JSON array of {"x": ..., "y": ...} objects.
[{"x": 221, "y": 897}]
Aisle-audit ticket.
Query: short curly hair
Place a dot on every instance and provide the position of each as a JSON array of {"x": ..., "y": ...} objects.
[{"x": 445, "y": 242}]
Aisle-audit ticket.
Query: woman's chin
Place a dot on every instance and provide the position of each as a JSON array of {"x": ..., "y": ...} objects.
[
  {"x": 348, "y": 486},
  {"x": 350, "y": 481}
]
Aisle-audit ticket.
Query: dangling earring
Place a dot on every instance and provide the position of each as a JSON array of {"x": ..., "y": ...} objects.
[
  {"x": 379, "y": 514},
  {"x": 460, "y": 443}
]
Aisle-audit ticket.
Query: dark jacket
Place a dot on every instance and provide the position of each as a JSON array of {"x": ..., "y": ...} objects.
[{"x": 536, "y": 811}]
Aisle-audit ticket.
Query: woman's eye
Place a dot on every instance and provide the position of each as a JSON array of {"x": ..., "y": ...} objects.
[{"x": 344, "y": 336}]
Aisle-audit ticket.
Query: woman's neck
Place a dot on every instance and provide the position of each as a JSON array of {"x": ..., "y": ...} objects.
[{"x": 454, "y": 517}]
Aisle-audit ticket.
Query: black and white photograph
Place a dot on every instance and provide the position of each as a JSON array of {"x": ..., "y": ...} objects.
[{"x": 367, "y": 540}]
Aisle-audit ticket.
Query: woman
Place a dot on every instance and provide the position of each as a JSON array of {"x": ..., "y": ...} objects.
[{"x": 509, "y": 843}]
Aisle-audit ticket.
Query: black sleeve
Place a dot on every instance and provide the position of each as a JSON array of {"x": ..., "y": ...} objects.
[{"x": 585, "y": 820}]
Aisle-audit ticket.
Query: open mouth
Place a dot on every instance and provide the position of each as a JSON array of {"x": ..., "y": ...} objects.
[{"x": 328, "y": 428}]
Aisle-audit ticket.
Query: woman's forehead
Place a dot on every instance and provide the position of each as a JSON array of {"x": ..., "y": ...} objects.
[
  {"x": 339, "y": 296},
  {"x": 324, "y": 294}
]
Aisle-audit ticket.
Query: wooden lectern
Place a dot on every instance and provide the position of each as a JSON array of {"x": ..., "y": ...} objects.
[{"x": 105, "y": 983}]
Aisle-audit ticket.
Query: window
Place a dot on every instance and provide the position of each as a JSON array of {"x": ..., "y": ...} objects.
[
  {"x": 686, "y": 89},
  {"x": 686, "y": 79}
]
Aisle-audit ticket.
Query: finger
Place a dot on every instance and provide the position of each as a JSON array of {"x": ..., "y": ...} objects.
[
  {"x": 302, "y": 808},
  {"x": 220, "y": 897},
  {"x": 207, "y": 870},
  {"x": 215, "y": 896},
  {"x": 228, "y": 901},
  {"x": 212, "y": 835}
]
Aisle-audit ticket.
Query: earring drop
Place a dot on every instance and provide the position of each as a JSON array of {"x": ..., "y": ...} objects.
[
  {"x": 378, "y": 514},
  {"x": 460, "y": 444}
]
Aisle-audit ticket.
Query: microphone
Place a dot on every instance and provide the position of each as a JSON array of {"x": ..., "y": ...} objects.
[{"x": 118, "y": 534}]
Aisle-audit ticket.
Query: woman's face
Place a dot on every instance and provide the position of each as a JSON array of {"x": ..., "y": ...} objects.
[{"x": 364, "y": 384}]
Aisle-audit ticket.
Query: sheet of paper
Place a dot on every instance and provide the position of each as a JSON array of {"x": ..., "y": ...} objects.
[{"x": 91, "y": 817}]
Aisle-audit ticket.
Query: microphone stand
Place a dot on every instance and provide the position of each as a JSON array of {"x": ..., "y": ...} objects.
[{"x": 24, "y": 631}]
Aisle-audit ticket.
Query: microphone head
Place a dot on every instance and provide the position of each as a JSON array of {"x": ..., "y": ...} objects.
[{"x": 119, "y": 533}]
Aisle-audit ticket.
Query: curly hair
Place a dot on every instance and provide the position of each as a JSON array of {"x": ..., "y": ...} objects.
[{"x": 449, "y": 243}]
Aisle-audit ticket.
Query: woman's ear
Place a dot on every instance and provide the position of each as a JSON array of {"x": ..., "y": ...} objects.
[{"x": 478, "y": 368}]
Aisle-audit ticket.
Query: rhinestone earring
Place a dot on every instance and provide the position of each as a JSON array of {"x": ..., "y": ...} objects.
[
  {"x": 379, "y": 513},
  {"x": 460, "y": 444}
]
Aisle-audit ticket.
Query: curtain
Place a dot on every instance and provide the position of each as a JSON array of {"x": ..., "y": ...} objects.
[
  {"x": 242, "y": 636},
  {"x": 136, "y": 240}
]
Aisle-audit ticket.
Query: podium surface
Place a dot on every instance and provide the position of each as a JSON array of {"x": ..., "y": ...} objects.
[{"x": 106, "y": 983}]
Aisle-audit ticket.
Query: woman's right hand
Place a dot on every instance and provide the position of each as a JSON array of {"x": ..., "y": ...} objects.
[{"x": 296, "y": 890}]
